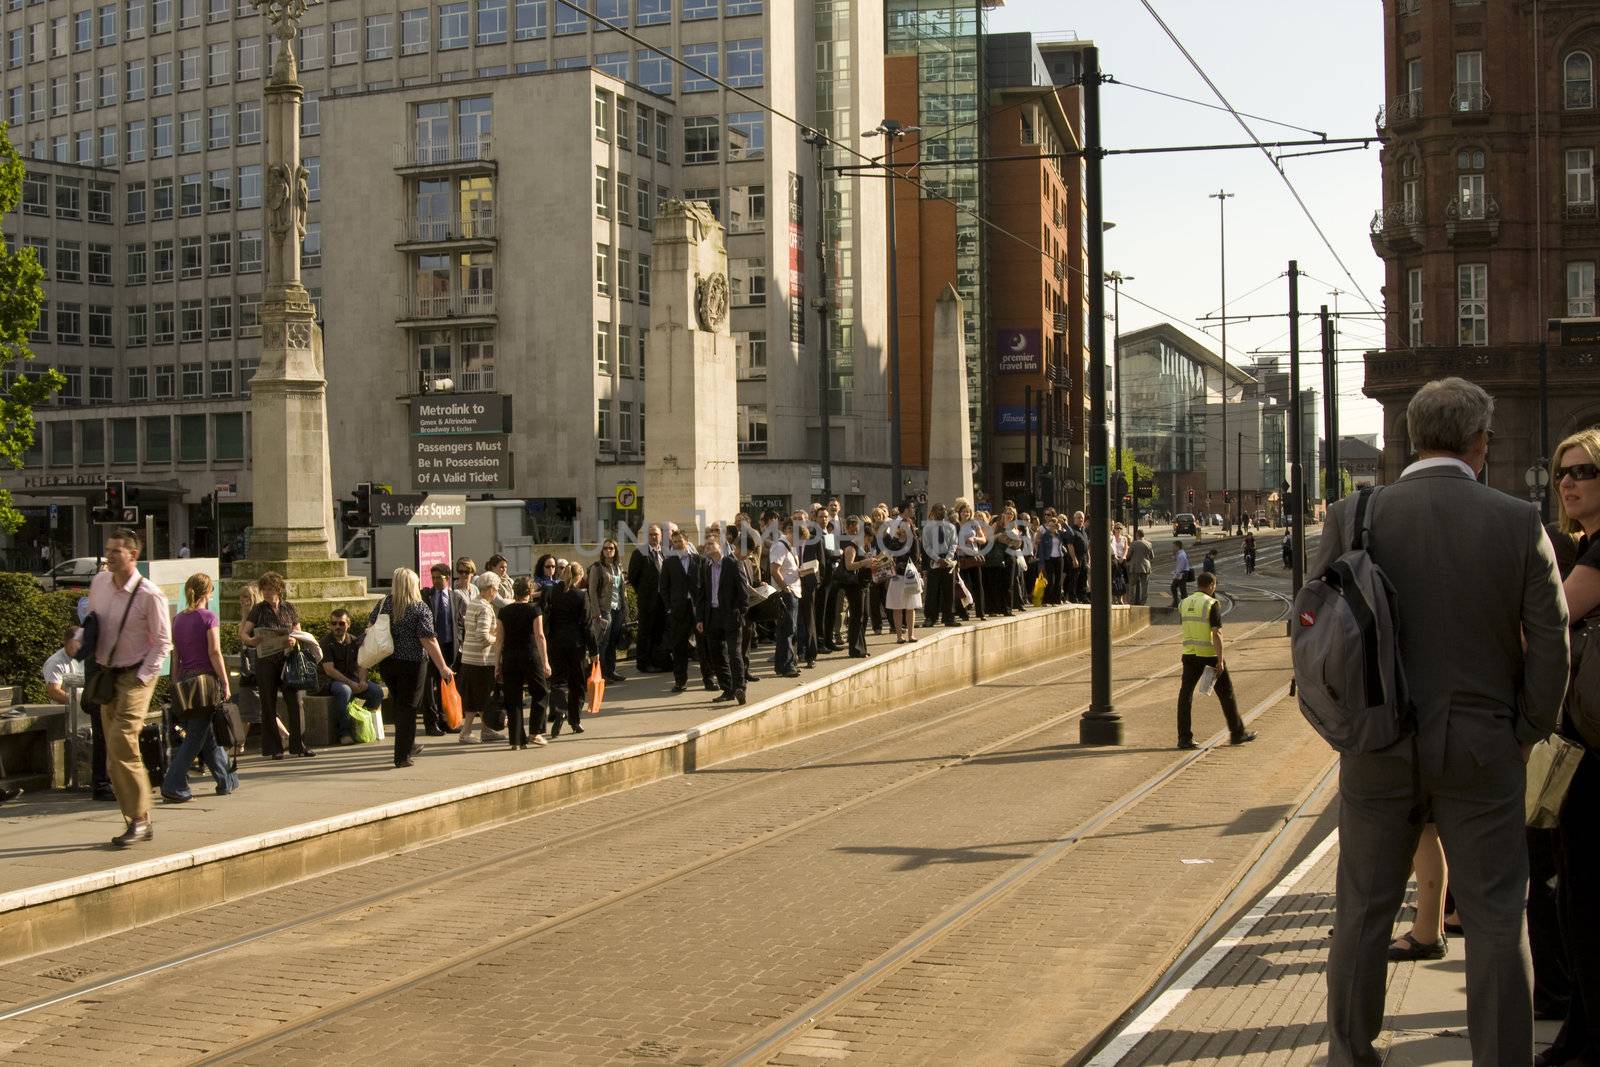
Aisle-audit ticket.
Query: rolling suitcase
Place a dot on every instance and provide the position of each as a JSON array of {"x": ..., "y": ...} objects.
[{"x": 153, "y": 750}]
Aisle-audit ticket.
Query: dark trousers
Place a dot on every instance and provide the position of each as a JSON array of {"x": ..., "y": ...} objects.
[
  {"x": 406, "y": 682},
  {"x": 682, "y": 628},
  {"x": 941, "y": 602},
  {"x": 1193, "y": 668},
  {"x": 1054, "y": 592},
  {"x": 1578, "y": 887},
  {"x": 835, "y": 607},
  {"x": 566, "y": 664},
  {"x": 972, "y": 578},
  {"x": 650, "y": 635},
  {"x": 514, "y": 678},
  {"x": 997, "y": 588},
  {"x": 1551, "y": 986},
  {"x": 805, "y": 631},
  {"x": 783, "y": 655},
  {"x": 722, "y": 636},
  {"x": 269, "y": 677},
  {"x": 876, "y": 594},
  {"x": 99, "y": 777},
  {"x": 1180, "y": 590},
  {"x": 432, "y": 701},
  {"x": 855, "y": 597},
  {"x": 1478, "y": 809}
]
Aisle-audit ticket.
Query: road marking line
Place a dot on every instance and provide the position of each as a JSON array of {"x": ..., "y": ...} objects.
[{"x": 1147, "y": 1020}]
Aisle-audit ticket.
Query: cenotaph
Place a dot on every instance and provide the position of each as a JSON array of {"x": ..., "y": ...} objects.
[
  {"x": 691, "y": 474},
  {"x": 949, "y": 443},
  {"x": 292, "y": 529}
]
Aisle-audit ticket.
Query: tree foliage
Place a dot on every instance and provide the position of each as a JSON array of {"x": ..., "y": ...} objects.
[
  {"x": 1147, "y": 478},
  {"x": 20, "y": 298}
]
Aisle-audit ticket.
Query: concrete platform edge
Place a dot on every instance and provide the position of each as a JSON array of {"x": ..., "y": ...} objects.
[{"x": 58, "y": 914}]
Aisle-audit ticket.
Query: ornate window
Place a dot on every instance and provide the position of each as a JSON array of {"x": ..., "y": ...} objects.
[
  {"x": 1471, "y": 195},
  {"x": 1577, "y": 81}
]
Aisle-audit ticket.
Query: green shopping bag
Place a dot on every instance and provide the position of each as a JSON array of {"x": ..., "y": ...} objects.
[{"x": 361, "y": 728}]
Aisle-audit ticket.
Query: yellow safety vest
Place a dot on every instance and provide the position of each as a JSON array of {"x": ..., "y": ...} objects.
[{"x": 1195, "y": 612}]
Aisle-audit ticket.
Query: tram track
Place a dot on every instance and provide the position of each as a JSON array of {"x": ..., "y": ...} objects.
[{"x": 405, "y": 983}]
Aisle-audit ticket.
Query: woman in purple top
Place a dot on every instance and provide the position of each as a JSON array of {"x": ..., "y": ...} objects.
[{"x": 197, "y": 649}]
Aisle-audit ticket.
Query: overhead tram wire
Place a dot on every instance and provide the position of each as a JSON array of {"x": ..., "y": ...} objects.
[
  {"x": 1315, "y": 225},
  {"x": 921, "y": 186},
  {"x": 1215, "y": 107}
]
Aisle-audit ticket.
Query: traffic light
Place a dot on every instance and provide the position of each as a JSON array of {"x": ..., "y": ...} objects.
[
  {"x": 1191, "y": 496},
  {"x": 361, "y": 516},
  {"x": 116, "y": 494},
  {"x": 1227, "y": 496}
]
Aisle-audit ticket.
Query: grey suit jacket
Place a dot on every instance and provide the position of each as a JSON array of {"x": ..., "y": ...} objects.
[{"x": 1476, "y": 578}]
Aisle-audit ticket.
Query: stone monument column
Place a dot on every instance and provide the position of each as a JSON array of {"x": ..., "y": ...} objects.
[
  {"x": 949, "y": 444},
  {"x": 292, "y": 529},
  {"x": 691, "y": 474}
]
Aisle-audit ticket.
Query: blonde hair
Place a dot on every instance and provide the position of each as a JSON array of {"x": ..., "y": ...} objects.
[
  {"x": 253, "y": 591},
  {"x": 571, "y": 575},
  {"x": 197, "y": 590},
  {"x": 404, "y": 590},
  {"x": 1589, "y": 441}
]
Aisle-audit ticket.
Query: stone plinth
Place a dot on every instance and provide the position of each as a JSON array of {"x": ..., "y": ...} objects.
[
  {"x": 692, "y": 437},
  {"x": 949, "y": 444}
]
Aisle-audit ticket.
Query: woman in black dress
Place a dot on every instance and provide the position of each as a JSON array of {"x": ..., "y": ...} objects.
[
  {"x": 521, "y": 659},
  {"x": 569, "y": 637},
  {"x": 855, "y": 572},
  {"x": 267, "y": 630}
]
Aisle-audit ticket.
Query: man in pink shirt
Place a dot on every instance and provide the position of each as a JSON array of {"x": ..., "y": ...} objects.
[{"x": 135, "y": 636}]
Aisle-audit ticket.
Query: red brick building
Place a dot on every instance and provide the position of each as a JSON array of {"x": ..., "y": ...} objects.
[{"x": 1488, "y": 227}]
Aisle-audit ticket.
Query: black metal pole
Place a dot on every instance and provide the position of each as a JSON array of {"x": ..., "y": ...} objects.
[
  {"x": 1544, "y": 422},
  {"x": 1330, "y": 457},
  {"x": 1297, "y": 525},
  {"x": 896, "y": 478},
  {"x": 1116, "y": 384},
  {"x": 1101, "y": 725},
  {"x": 824, "y": 355}
]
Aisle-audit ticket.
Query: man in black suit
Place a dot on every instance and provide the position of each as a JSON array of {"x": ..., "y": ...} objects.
[
  {"x": 720, "y": 603},
  {"x": 808, "y": 543},
  {"x": 644, "y": 574},
  {"x": 679, "y": 577}
]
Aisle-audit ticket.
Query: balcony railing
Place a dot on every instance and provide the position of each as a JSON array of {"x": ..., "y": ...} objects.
[
  {"x": 1406, "y": 107},
  {"x": 464, "y": 304},
  {"x": 476, "y": 227},
  {"x": 432, "y": 153},
  {"x": 1469, "y": 100},
  {"x": 1395, "y": 216},
  {"x": 1578, "y": 96},
  {"x": 1059, "y": 321},
  {"x": 1579, "y": 211},
  {"x": 1472, "y": 208}
]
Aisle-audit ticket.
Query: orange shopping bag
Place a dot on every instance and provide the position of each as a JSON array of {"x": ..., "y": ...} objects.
[
  {"x": 597, "y": 688},
  {"x": 450, "y": 704}
]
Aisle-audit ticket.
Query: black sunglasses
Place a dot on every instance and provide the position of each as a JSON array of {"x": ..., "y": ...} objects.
[{"x": 1580, "y": 472}]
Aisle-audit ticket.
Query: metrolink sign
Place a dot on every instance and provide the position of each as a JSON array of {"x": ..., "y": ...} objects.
[{"x": 461, "y": 442}]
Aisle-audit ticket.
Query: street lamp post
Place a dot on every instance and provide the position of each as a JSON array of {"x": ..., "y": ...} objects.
[
  {"x": 1222, "y": 196},
  {"x": 891, "y": 130},
  {"x": 818, "y": 142},
  {"x": 1116, "y": 278}
]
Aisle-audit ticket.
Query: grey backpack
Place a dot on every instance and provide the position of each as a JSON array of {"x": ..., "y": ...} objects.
[{"x": 1344, "y": 641}]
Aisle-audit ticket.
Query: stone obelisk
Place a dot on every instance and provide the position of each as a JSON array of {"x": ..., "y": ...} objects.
[
  {"x": 691, "y": 474},
  {"x": 949, "y": 444},
  {"x": 292, "y": 528}
]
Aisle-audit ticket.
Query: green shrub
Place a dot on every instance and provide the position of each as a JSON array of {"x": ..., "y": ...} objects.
[{"x": 31, "y": 622}]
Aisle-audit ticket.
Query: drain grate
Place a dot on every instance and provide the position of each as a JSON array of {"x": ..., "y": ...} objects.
[{"x": 67, "y": 973}]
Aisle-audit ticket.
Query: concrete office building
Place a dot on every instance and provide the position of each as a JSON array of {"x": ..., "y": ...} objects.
[{"x": 161, "y": 101}]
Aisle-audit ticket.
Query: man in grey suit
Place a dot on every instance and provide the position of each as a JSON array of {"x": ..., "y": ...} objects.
[
  {"x": 1140, "y": 560},
  {"x": 1483, "y": 634}
]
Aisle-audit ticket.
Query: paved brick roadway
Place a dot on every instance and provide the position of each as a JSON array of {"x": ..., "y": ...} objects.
[{"x": 939, "y": 884}]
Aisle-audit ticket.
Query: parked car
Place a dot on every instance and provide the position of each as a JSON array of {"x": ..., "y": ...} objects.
[
  {"x": 1184, "y": 523},
  {"x": 71, "y": 574}
]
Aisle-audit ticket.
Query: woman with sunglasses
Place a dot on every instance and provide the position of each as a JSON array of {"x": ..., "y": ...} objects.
[
  {"x": 546, "y": 575},
  {"x": 1575, "y": 481},
  {"x": 608, "y": 608}
]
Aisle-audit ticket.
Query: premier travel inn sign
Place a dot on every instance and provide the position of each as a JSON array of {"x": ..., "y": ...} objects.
[{"x": 461, "y": 442}]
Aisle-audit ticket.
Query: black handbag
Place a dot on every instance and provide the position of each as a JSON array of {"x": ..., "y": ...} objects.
[
  {"x": 299, "y": 669},
  {"x": 229, "y": 728}
]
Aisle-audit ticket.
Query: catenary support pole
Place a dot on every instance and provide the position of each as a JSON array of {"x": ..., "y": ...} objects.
[
  {"x": 1101, "y": 725},
  {"x": 1297, "y": 525}
]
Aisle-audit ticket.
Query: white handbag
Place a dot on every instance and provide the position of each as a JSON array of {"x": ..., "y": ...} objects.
[{"x": 377, "y": 644}]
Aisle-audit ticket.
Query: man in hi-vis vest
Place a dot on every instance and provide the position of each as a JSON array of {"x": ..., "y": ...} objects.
[{"x": 1201, "y": 616}]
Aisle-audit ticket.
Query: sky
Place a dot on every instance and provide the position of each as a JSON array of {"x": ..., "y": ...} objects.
[{"x": 1318, "y": 66}]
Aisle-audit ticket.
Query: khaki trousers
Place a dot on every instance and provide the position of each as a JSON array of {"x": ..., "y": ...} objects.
[{"x": 123, "y": 719}]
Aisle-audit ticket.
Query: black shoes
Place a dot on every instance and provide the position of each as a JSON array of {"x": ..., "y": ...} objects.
[
  {"x": 1187, "y": 746},
  {"x": 789, "y": 674},
  {"x": 1243, "y": 739},
  {"x": 407, "y": 762},
  {"x": 711, "y": 687},
  {"x": 434, "y": 731},
  {"x": 304, "y": 752},
  {"x": 738, "y": 694},
  {"x": 722, "y": 698},
  {"x": 12, "y": 794},
  {"x": 138, "y": 830},
  {"x": 615, "y": 679},
  {"x": 1412, "y": 949},
  {"x": 577, "y": 729},
  {"x": 555, "y": 728},
  {"x": 106, "y": 795},
  {"x": 680, "y": 688}
]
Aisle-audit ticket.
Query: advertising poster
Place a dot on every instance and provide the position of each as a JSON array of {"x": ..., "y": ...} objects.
[{"x": 433, "y": 546}]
